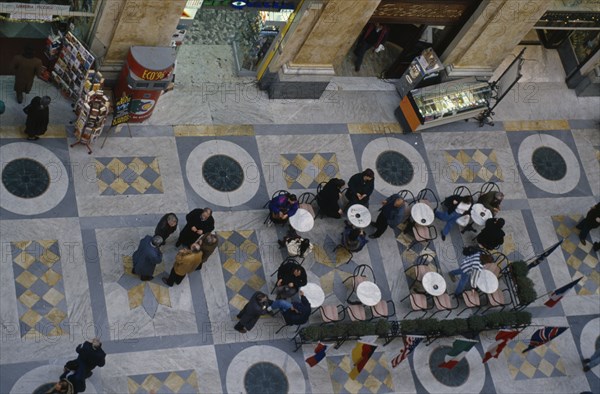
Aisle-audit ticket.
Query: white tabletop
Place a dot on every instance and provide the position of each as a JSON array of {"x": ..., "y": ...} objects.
[
  {"x": 487, "y": 281},
  {"x": 302, "y": 221},
  {"x": 422, "y": 214},
  {"x": 434, "y": 283},
  {"x": 314, "y": 294},
  {"x": 359, "y": 216},
  {"x": 368, "y": 293},
  {"x": 480, "y": 214}
]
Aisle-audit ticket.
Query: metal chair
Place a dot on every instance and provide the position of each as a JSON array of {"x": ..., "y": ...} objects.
[
  {"x": 498, "y": 263},
  {"x": 497, "y": 299},
  {"x": 341, "y": 246},
  {"x": 383, "y": 309},
  {"x": 407, "y": 196},
  {"x": 486, "y": 188},
  {"x": 418, "y": 303},
  {"x": 357, "y": 312},
  {"x": 332, "y": 313},
  {"x": 444, "y": 303},
  {"x": 276, "y": 194},
  {"x": 472, "y": 300},
  {"x": 424, "y": 234},
  {"x": 307, "y": 198},
  {"x": 427, "y": 196},
  {"x": 359, "y": 275},
  {"x": 462, "y": 191}
]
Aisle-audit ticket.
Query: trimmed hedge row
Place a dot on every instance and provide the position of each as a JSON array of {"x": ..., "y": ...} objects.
[
  {"x": 525, "y": 288},
  {"x": 351, "y": 329}
]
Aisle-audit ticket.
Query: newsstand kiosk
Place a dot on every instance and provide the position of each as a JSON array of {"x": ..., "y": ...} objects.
[{"x": 144, "y": 76}]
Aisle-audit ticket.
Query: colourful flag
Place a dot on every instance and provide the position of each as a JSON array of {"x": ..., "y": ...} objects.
[
  {"x": 319, "y": 355},
  {"x": 502, "y": 338},
  {"x": 544, "y": 335},
  {"x": 459, "y": 350},
  {"x": 410, "y": 343},
  {"x": 544, "y": 254},
  {"x": 361, "y": 353},
  {"x": 558, "y": 294}
]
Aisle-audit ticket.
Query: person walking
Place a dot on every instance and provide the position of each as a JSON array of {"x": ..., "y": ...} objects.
[
  {"x": 374, "y": 36},
  {"x": 25, "y": 67},
  {"x": 469, "y": 268},
  {"x": 360, "y": 188},
  {"x": 186, "y": 261},
  {"x": 492, "y": 235},
  {"x": 90, "y": 356},
  {"x": 589, "y": 222},
  {"x": 198, "y": 222},
  {"x": 252, "y": 311},
  {"x": 208, "y": 246},
  {"x": 591, "y": 362},
  {"x": 390, "y": 214},
  {"x": 166, "y": 226},
  {"x": 38, "y": 116},
  {"x": 147, "y": 256},
  {"x": 328, "y": 198}
]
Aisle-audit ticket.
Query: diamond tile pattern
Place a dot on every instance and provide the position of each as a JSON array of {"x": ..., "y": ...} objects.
[
  {"x": 148, "y": 294},
  {"x": 307, "y": 170},
  {"x": 374, "y": 378},
  {"x": 473, "y": 165},
  {"x": 42, "y": 305},
  {"x": 331, "y": 269},
  {"x": 164, "y": 382},
  {"x": 128, "y": 175},
  {"x": 541, "y": 362},
  {"x": 242, "y": 268},
  {"x": 581, "y": 260}
]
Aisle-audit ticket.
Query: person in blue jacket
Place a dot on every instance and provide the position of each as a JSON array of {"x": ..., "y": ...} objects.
[
  {"x": 390, "y": 214},
  {"x": 283, "y": 207},
  {"x": 147, "y": 256},
  {"x": 353, "y": 239},
  {"x": 299, "y": 312}
]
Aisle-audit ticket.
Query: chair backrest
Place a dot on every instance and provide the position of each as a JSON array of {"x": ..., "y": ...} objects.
[
  {"x": 462, "y": 191},
  {"x": 364, "y": 270},
  {"x": 488, "y": 187},
  {"x": 320, "y": 187},
  {"x": 427, "y": 195},
  {"x": 279, "y": 193},
  {"x": 407, "y": 196},
  {"x": 307, "y": 198}
]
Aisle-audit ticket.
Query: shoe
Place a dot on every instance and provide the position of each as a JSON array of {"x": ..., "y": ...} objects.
[
  {"x": 586, "y": 360},
  {"x": 372, "y": 236},
  {"x": 164, "y": 280},
  {"x": 241, "y": 330},
  {"x": 32, "y": 138},
  {"x": 453, "y": 278},
  {"x": 357, "y": 68},
  {"x": 586, "y": 368},
  {"x": 443, "y": 237},
  {"x": 281, "y": 243},
  {"x": 582, "y": 241}
]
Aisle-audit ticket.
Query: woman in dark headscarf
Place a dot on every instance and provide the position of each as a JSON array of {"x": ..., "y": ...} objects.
[{"x": 38, "y": 117}]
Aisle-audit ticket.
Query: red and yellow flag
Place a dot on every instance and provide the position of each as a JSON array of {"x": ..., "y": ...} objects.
[{"x": 361, "y": 354}]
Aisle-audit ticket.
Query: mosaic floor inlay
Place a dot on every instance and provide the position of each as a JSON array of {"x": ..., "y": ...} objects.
[
  {"x": 307, "y": 170},
  {"x": 473, "y": 165},
  {"x": 541, "y": 362},
  {"x": 394, "y": 168},
  {"x": 148, "y": 294},
  {"x": 128, "y": 175},
  {"x": 581, "y": 259},
  {"x": 454, "y": 377},
  {"x": 374, "y": 378},
  {"x": 242, "y": 268},
  {"x": 25, "y": 178},
  {"x": 265, "y": 378},
  {"x": 549, "y": 163},
  {"x": 223, "y": 173},
  {"x": 164, "y": 382},
  {"x": 40, "y": 289}
]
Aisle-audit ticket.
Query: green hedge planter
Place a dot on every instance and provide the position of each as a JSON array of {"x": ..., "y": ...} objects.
[{"x": 525, "y": 289}]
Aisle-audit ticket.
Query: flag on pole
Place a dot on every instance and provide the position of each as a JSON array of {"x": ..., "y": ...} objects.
[
  {"x": 558, "y": 294},
  {"x": 459, "y": 350},
  {"x": 544, "y": 254},
  {"x": 544, "y": 335},
  {"x": 361, "y": 353},
  {"x": 410, "y": 343},
  {"x": 319, "y": 355},
  {"x": 502, "y": 338}
]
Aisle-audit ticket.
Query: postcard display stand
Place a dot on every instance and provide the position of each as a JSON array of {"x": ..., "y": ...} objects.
[
  {"x": 72, "y": 65},
  {"x": 92, "y": 109}
]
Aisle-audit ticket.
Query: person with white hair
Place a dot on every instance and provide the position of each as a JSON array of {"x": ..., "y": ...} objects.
[
  {"x": 166, "y": 226},
  {"x": 198, "y": 222},
  {"x": 147, "y": 256}
]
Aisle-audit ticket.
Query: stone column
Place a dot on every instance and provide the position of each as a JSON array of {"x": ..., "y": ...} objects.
[
  {"x": 490, "y": 35},
  {"x": 322, "y": 36},
  {"x": 125, "y": 23}
]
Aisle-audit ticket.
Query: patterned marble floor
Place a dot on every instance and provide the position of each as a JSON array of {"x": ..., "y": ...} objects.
[{"x": 66, "y": 253}]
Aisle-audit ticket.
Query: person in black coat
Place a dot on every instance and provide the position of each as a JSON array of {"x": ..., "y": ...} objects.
[
  {"x": 166, "y": 226},
  {"x": 360, "y": 187},
  {"x": 290, "y": 278},
  {"x": 299, "y": 313},
  {"x": 198, "y": 222},
  {"x": 252, "y": 311},
  {"x": 328, "y": 198},
  {"x": 90, "y": 356},
  {"x": 591, "y": 221},
  {"x": 492, "y": 235},
  {"x": 38, "y": 116}
]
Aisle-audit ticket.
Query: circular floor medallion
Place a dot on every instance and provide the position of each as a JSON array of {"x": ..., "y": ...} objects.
[
  {"x": 265, "y": 378},
  {"x": 549, "y": 163},
  {"x": 454, "y": 377},
  {"x": 25, "y": 178},
  {"x": 394, "y": 168},
  {"x": 223, "y": 173}
]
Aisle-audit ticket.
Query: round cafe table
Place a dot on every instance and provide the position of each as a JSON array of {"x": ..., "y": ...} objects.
[
  {"x": 314, "y": 294},
  {"x": 368, "y": 293},
  {"x": 480, "y": 214},
  {"x": 422, "y": 214},
  {"x": 302, "y": 221},
  {"x": 359, "y": 216},
  {"x": 434, "y": 283},
  {"x": 487, "y": 281}
]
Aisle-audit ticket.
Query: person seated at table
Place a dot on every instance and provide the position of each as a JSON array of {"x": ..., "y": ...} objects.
[
  {"x": 451, "y": 218},
  {"x": 360, "y": 188},
  {"x": 589, "y": 222},
  {"x": 290, "y": 278},
  {"x": 299, "y": 313},
  {"x": 469, "y": 269},
  {"x": 353, "y": 239},
  {"x": 491, "y": 200},
  {"x": 328, "y": 198},
  {"x": 451, "y": 202},
  {"x": 282, "y": 207},
  {"x": 252, "y": 311},
  {"x": 492, "y": 235},
  {"x": 390, "y": 214}
]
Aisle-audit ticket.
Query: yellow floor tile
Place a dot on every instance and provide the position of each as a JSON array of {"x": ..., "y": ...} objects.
[
  {"x": 374, "y": 128},
  {"x": 529, "y": 125},
  {"x": 54, "y": 131},
  {"x": 213, "y": 130},
  {"x": 174, "y": 382}
]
